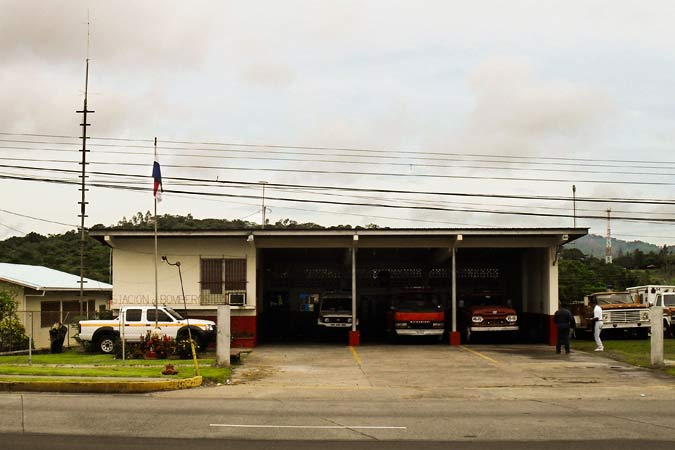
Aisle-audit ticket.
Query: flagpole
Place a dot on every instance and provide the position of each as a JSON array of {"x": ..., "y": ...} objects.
[{"x": 156, "y": 253}]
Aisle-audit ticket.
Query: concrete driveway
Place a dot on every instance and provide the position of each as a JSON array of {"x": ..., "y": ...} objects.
[{"x": 393, "y": 372}]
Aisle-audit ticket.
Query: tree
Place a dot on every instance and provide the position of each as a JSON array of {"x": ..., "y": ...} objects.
[{"x": 12, "y": 332}]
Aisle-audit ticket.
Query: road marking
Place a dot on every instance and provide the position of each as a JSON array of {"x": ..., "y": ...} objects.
[
  {"x": 485, "y": 357},
  {"x": 309, "y": 427},
  {"x": 355, "y": 355}
]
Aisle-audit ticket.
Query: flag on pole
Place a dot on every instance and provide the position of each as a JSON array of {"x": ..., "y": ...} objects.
[{"x": 157, "y": 175}]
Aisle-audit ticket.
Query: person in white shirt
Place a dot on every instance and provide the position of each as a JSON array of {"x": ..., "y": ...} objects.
[{"x": 597, "y": 327}]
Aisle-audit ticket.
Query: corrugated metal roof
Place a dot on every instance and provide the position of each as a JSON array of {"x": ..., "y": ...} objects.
[
  {"x": 43, "y": 278},
  {"x": 573, "y": 233}
]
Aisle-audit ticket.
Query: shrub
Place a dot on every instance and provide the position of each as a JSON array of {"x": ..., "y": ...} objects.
[
  {"x": 12, "y": 332},
  {"x": 154, "y": 347}
]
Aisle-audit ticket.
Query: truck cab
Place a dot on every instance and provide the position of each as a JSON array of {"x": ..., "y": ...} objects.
[
  {"x": 647, "y": 294},
  {"x": 335, "y": 311},
  {"x": 484, "y": 314},
  {"x": 416, "y": 313}
]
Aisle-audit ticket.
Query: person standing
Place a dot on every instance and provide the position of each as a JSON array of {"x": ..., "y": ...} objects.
[
  {"x": 564, "y": 322},
  {"x": 597, "y": 326}
]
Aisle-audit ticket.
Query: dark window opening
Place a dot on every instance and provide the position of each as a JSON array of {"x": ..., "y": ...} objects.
[
  {"x": 161, "y": 316},
  {"x": 133, "y": 315}
]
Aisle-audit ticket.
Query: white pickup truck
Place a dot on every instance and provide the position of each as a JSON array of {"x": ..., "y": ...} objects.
[{"x": 134, "y": 322}]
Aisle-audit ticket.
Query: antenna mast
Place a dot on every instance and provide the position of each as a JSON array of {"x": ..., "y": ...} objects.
[
  {"x": 83, "y": 174},
  {"x": 608, "y": 248}
]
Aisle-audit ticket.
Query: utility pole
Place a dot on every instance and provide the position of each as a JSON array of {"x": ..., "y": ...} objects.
[
  {"x": 574, "y": 204},
  {"x": 83, "y": 175},
  {"x": 263, "y": 183},
  {"x": 608, "y": 247}
]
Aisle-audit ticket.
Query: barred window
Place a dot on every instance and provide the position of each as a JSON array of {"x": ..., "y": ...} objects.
[
  {"x": 50, "y": 313},
  {"x": 221, "y": 276},
  {"x": 71, "y": 311},
  {"x": 64, "y": 311}
]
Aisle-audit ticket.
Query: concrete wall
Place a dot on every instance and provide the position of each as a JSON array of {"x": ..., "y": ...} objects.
[
  {"x": 134, "y": 270},
  {"x": 540, "y": 290}
]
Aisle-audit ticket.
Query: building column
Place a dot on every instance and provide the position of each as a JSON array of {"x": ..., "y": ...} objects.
[
  {"x": 454, "y": 334},
  {"x": 354, "y": 335},
  {"x": 551, "y": 292}
]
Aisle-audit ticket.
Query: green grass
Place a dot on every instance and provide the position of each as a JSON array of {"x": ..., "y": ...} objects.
[
  {"x": 631, "y": 351},
  {"x": 74, "y": 363}
]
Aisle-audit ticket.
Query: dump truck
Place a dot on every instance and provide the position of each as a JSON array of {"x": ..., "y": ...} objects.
[{"x": 620, "y": 313}]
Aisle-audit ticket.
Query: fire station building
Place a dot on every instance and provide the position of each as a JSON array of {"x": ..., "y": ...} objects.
[{"x": 273, "y": 279}]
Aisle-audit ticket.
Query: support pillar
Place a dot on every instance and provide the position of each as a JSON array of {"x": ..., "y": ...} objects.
[
  {"x": 354, "y": 335},
  {"x": 656, "y": 319},
  {"x": 454, "y": 334},
  {"x": 223, "y": 336},
  {"x": 552, "y": 331}
]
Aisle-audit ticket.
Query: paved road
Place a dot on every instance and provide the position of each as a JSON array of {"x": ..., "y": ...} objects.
[
  {"x": 309, "y": 419},
  {"x": 38, "y": 442},
  {"x": 399, "y": 395}
]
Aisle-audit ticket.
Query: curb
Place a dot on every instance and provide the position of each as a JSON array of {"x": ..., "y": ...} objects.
[{"x": 107, "y": 387}]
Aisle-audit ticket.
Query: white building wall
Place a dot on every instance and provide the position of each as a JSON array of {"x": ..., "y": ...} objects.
[
  {"x": 134, "y": 271},
  {"x": 540, "y": 281},
  {"x": 551, "y": 264}
]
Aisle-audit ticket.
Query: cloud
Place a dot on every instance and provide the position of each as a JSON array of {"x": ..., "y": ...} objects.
[
  {"x": 269, "y": 74},
  {"x": 518, "y": 113},
  {"x": 122, "y": 32}
]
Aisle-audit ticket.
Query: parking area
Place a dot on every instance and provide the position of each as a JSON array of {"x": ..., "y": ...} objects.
[{"x": 394, "y": 372}]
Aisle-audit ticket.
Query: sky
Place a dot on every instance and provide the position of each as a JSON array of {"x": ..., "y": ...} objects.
[{"x": 507, "y": 103}]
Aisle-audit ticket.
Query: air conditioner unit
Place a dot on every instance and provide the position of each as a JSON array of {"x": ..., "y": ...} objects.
[{"x": 237, "y": 299}]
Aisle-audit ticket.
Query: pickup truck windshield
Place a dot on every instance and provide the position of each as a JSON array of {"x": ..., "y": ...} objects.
[
  {"x": 607, "y": 299},
  {"x": 417, "y": 303},
  {"x": 336, "y": 304},
  {"x": 174, "y": 314}
]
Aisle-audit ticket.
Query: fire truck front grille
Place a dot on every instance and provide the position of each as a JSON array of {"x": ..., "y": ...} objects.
[
  {"x": 419, "y": 324},
  {"x": 624, "y": 316}
]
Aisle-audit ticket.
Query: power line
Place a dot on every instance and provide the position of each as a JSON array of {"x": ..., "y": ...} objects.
[
  {"x": 36, "y": 218},
  {"x": 328, "y": 148},
  {"x": 435, "y": 193},
  {"x": 329, "y": 161},
  {"x": 13, "y": 229},
  {"x": 422, "y": 201},
  {"x": 369, "y": 205},
  {"x": 426, "y": 175}
]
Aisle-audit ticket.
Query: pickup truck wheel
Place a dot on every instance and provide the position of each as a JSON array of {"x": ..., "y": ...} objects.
[
  {"x": 200, "y": 342},
  {"x": 106, "y": 343}
]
